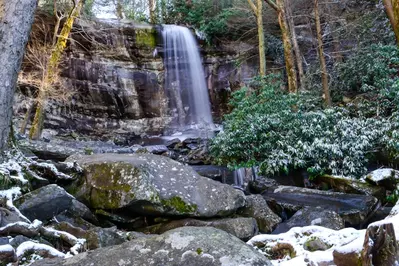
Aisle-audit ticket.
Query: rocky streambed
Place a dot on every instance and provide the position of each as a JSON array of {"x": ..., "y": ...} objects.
[{"x": 68, "y": 198}]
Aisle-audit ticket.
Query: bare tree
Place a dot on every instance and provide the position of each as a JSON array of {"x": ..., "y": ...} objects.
[
  {"x": 152, "y": 6},
  {"x": 279, "y": 6},
  {"x": 324, "y": 74},
  {"x": 52, "y": 70},
  {"x": 16, "y": 19},
  {"x": 298, "y": 54},
  {"x": 257, "y": 9}
]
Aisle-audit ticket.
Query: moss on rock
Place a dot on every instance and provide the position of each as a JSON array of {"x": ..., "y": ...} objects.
[
  {"x": 146, "y": 38},
  {"x": 177, "y": 204}
]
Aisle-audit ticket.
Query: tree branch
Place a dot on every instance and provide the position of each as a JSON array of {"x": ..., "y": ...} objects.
[
  {"x": 254, "y": 8},
  {"x": 273, "y": 5}
]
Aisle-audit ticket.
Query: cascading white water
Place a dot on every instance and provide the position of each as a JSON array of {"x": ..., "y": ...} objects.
[
  {"x": 185, "y": 81},
  {"x": 239, "y": 178}
]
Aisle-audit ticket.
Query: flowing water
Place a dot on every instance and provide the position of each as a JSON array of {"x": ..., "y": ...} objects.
[{"x": 185, "y": 84}]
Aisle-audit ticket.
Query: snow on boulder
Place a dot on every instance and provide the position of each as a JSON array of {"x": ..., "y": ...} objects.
[
  {"x": 386, "y": 177},
  {"x": 298, "y": 243},
  {"x": 7, "y": 254},
  {"x": 152, "y": 184}
]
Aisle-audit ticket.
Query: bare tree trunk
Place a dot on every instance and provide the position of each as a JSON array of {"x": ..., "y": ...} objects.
[
  {"x": 298, "y": 54},
  {"x": 16, "y": 19},
  {"x": 324, "y": 74},
  {"x": 119, "y": 9},
  {"x": 288, "y": 55},
  {"x": 152, "y": 6},
  {"x": 257, "y": 9},
  {"x": 52, "y": 69},
  {"x": 392, "y": 10}
]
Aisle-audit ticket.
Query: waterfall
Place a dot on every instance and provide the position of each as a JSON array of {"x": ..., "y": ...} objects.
[
  {"x": 185, "y": 81},
  {"x": 239, "y": 178}
]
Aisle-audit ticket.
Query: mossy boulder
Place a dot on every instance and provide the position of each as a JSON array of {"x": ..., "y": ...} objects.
[
  {"x": 151, "y": 185},
  {"x": 351, "y": 186}
]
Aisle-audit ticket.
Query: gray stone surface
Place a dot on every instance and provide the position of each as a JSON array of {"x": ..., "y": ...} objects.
[
  {"x": 152, "y": 184},
  {"x": 256, "y": 207},
  {"x": 192, "y": 246},
  {"x": 44, "y": 203}
]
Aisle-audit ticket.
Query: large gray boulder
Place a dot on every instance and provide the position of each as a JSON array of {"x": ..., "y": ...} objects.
[
  {"x": 152, "y": 184},
  {"x": 194, "y": 246},
  {"x": 44, "y": 203}
]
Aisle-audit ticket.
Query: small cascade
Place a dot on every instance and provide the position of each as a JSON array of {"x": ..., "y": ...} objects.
[
  {"x": 185, "y": 84},
  {"x": 239, "y": 178}
]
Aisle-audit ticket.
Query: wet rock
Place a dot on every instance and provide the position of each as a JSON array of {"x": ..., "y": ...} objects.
[
  {"x": 172, "y": 143},
  {"x": 312, "y": 216},
  {"x": 156, "y": 149},
  {"x": 49, "y": 151},
  {"x": 353, "y": 208},
  {"x": 256, "y": 207},
  {"x": 243, "y": 228},
  {"x": 192, "y": 246},
  {"x": 44, "y": 203},
  {"x": 122, "y": 220},
  {"x": 385, "y": 177},
  {"x": 151, "y": 184},
  {"x": 218, "y": 173},
  {"x": 4, "y": 240},
  {"x": 7, "y": 254},
  {"x": 18, "y": 240},
  {"x": 262, "y": 184}
]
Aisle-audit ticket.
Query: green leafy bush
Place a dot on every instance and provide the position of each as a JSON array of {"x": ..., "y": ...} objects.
[
  {"x": 280, "y": 132},
  {"x": 370, "y": 77},
  {"x": 203, "y": 16}
]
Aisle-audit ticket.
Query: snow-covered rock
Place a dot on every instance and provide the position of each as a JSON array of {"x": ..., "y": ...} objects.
[
  {"x": 293, "y": 244},
  {"x": 7, "y": 254},
  {"x": 386, "y": 177}
]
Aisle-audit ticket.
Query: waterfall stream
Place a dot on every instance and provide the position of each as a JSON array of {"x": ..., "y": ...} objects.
[{"x": 185, "y": 84}]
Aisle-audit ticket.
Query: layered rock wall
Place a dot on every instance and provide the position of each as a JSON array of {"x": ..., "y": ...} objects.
[{"x": 116, "y": 72}]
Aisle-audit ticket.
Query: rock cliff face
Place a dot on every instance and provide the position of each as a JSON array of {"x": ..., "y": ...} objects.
[{"x": 116, "y": 71}]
